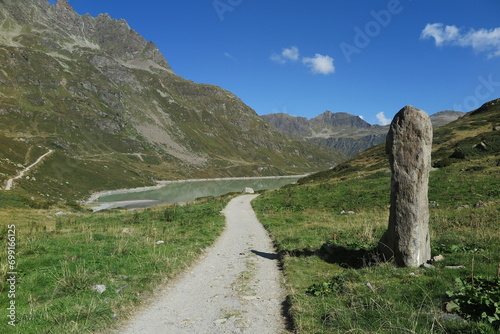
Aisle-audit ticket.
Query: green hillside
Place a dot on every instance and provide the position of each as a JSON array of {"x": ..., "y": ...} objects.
[
  {"x": 116, "y": 115},
  {"x": 336, "y": 284}
]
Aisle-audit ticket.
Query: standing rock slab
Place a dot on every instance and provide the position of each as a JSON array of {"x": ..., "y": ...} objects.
[{"x": 409, "y": 144}]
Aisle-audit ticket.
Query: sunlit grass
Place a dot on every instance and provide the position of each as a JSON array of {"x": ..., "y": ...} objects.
[
  {"x": 379, "y": 297},
  {"x": 60, "y": 259}
]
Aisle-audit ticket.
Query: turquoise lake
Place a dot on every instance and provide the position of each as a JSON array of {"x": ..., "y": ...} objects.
[{"x": 179, "y": 192}]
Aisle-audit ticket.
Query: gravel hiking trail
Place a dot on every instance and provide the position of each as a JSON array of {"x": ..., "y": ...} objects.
[
  {"x": 10, "y": 182},
  {"x": 234, "y": 288}
]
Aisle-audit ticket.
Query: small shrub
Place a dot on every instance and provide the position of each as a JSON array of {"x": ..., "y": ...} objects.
[
  {"x": 455, "y": 248},
  {"x": 494, "y": 192},
  {"x": 477, "y": 299},
  {"x": 170, "y": 214},
  {"x": 335, "y": 285},
  {"x": 70, "y": 281}
]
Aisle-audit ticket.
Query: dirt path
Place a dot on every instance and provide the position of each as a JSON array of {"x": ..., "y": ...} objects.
[
  {"x": 10, "y": 182},
  {"x": 235, "y": 288}
]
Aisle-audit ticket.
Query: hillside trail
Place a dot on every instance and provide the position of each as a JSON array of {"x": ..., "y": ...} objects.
[
  {"x": 234, "y": 288},
  {"x": 10, "y": 182}
]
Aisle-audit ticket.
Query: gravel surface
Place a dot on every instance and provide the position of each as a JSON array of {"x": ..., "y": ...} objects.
[{"x": 235, "y": 288}]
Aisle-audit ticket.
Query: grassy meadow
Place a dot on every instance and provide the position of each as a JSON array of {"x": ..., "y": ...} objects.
[
  {"x": 329, "y": 293},
  {"x": 60, "y": 258},
  {"x": 335, "y": 282}
]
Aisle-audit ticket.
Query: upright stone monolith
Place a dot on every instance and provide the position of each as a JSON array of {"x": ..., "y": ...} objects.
[{"x": 409, "y": 144}]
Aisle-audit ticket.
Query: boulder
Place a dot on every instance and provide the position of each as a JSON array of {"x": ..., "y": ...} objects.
[
  {"x": 479, "y": 204},
  {"x": 481, "y": 146},
  {"x": 99, "y": 288},
  {"x": 247, "y": 190},
  {"x": 409, "y": 144}
]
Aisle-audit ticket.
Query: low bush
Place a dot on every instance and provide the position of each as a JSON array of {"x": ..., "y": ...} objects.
[{"x": 476, "y": 299}]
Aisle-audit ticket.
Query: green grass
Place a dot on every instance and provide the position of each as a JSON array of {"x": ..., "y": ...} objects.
[
  {"x": 60, "y": 258},
  {"x": 401, "y": 299},
  {"x": 336, "y": 284}
]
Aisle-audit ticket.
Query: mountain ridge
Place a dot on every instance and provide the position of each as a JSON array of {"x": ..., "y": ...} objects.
[
  {"x": 345, "y": 132},
  {"x": 116, "y": 115}
]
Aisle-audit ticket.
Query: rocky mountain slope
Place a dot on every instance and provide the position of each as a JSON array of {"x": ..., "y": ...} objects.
[
  {"x": 116, "y": 115},
  {"x": 442, "y": 118},
  {"x": 345, "y": 132}
]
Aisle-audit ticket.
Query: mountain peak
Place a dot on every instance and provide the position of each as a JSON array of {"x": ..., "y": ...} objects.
[
  {"x": 63, "y": 4},
  {"x": 340, "y": 119},
  {"x": 60, "y": 26}
]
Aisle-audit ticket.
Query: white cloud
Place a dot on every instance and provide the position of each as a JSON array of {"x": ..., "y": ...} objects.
[
  {"x": 287, "y": 54},
  {"x": 382, "y": 120},
  {"x": 320, "y": 64},
  {"x": 482, "y": 40},
  {"x": 439, "y": 33},
  {"x": 291, "y": 53}
]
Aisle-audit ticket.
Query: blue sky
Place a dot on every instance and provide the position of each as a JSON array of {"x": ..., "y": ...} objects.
[{"x": 367, "y": 58}]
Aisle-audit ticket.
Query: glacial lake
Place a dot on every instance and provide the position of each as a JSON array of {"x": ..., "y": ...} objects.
[{"x": 185, "y": 191}]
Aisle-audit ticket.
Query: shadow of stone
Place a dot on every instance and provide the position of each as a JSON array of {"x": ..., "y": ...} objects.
[
  {"x": 348, "y": 258},
  {"x": 269, "y": 256},
  {"x": 299, "y": 253},
  {"x": 336, "y": 254}
]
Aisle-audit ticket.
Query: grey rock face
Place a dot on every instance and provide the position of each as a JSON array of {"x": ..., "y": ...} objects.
[
  {"x": 444, "y": 117},
  {"x": 351, "y": 146},
  {"x": 409, "y": 144},
  {"x": 347, "y": 133},
  {"x": 76, "y": 32},
  {"x": 339, "y": 119}
]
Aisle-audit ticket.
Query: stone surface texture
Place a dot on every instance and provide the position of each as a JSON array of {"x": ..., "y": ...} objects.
[{"x": 409, "y": 144}]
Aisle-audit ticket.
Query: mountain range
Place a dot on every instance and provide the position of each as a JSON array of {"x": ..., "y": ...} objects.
[
  {"x": 114, "y": 113},
  {"x": 342, "y": 131}
]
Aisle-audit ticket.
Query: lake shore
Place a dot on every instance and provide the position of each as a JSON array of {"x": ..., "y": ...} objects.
[{"x": 159, "y": 184}]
